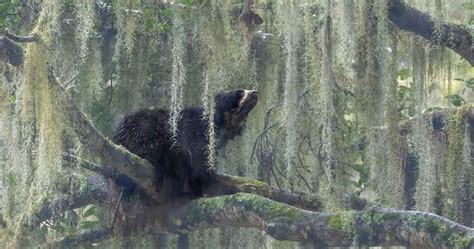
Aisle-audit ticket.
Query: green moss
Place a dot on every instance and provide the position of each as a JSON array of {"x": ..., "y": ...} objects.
[
  {"x": 342, "y": 221},
  {"x": 441, "y": 232},
  {"x": 378, "y": 218},
  {"x": 457, "y": 165},
  {"x": 264, "y": 206}
]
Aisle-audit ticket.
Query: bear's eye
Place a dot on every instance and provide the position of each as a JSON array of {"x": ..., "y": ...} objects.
[{"x": 240, "y": 94}]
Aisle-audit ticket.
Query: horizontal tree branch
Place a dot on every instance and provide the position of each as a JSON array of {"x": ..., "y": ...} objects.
[
  {"x": 455, "y": 37},
  {"x": 11, "y": 52},
  {"x": 438, "y": 119},
  {"x": 19, "y": 38},
  {"x": 73, "y": 241},
  {"x": 373, "y": 227},
  {"x": 92, "y": 236},
  {"x": 234, "y": 184}
]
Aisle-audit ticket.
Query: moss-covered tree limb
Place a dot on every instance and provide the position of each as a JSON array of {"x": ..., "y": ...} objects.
[
  {"x": 372, "y": 227},
  {"x": 126, "y": 163},
  {"x": 233, "y": 184},
  {"x": 455, "y": 37},
  {"x": 438, "y": 119},
  {"x": 227, "y": 184}
]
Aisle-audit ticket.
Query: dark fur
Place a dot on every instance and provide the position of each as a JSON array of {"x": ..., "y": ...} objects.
[{"x": 181, "y": 165}]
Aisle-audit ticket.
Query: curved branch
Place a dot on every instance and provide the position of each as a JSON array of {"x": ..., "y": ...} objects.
[
  {"x": 11, "y": 52},
  {"x": 372, "y": 227},
  {"x": 91, "y": 236},
  {"x": 19, "y": 38},
  {"x": 453, "y": 36}
]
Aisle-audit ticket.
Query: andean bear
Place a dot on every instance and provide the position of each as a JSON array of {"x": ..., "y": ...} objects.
[{"x": 180, "y": 162}]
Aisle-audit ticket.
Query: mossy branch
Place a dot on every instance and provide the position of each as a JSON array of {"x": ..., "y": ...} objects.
[
  {"x": 233, "y": 184},
  {"x": 227, "y": 184},
  {"x": 372, "y": 227},
  {"x": 438, "y": 119},
  {"x": 126, "y": 163},
  {"x": 455, "y": 37}
]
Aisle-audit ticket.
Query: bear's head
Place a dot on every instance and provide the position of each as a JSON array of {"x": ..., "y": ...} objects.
[{"x": 232, "y": 109}]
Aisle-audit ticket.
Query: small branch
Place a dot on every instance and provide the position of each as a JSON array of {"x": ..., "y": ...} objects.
[
  {"x": 453, "y": 36},
  {"x": 95, "y": 235},
  {"x": 372, "y": 227},
  {"x": 106, "y": 171},
  {"x": 11, "y": 52},
  {"x": 96, "y": 192},
  {"x": 18, "y": 38}
]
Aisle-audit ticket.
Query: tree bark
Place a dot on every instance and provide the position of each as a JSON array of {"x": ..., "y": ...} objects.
[
  {"x": 452, "y": 36},
  {"x": 372, "y": 227}
]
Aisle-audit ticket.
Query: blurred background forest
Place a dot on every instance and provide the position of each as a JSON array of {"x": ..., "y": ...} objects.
[{"x": 349, "y": 104}]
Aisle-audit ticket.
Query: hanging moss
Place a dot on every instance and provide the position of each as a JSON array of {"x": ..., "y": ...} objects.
[
  {"x": 346, "y": 24},
  {"x": 326, "y": 96},
  {"x": 90, "y": 75},
  {"x": 41, "y": 175},
  {"x": 458, "y": 168},
  {"x": 427, "y": 180},
  {"x": 371, "y": 76},
  {"x": 288, "y": 12},
  {"x": 127, "y": 14},
  {"x": 393, "y": 188},
  {"x": 178, "y": 73},
  {"x": 85, "y": 15},
  {"x": 423, "y": 135}
]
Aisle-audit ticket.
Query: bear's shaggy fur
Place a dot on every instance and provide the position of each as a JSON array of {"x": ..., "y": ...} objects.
[{"x": 181, "y": 163}]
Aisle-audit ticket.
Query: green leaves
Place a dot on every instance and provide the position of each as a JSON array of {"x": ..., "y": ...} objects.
[
  {"x": 9, "y": 13},
  {"x": 404, "y": 73},
  {"x": 455, "y": 100}
]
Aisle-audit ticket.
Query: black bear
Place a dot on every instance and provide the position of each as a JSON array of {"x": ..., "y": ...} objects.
[{"x": 181, "y": 162}]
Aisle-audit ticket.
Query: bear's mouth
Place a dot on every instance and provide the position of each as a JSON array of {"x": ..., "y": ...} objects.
[{"x": 247, "y": 102}]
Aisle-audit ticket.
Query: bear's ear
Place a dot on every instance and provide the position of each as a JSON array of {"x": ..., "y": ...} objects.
[{"x": 227, "y": 101}]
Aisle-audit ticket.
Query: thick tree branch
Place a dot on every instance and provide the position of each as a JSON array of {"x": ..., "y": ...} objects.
[
  {"x": 234, "y": 184},
  {"x": 373, "y": 227},
  {"x": 126, "y": 163},
  {"x": 452, "y": 36},
  {"x": 438, "y": 119}
]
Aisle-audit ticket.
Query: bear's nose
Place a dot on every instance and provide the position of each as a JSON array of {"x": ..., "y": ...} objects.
[{"x": 254, "y": 93}]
